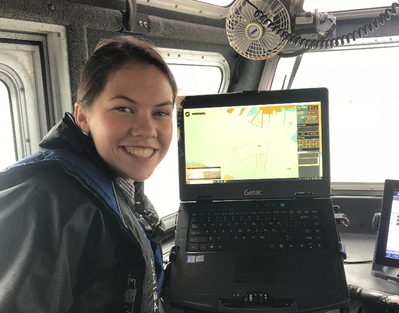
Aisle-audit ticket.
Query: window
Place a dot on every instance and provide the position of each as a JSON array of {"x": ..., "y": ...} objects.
[
  {"x": 207, "y": 8},
  {"x": 32, "y": 70},
  {"x": 363, "y": 105},
  {"x": 195, "y": 73},
  {"x": 7, "y": 140},
  {"x": 20, "y": 71},
  {"x": 202, "y": 79},
  {"x": 341, "y": 5}
]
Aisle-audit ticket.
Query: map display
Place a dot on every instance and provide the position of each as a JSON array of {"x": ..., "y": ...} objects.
[{"x": 258, "y": 142}]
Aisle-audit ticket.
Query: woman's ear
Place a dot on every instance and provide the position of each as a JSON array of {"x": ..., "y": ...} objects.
[{"x": 81, "y": 118}]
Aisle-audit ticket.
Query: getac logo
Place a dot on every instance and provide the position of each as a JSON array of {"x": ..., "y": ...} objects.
[{"x": 252, "y": 192}]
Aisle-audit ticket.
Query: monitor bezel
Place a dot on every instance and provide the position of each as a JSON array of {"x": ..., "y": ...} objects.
[
  {"x": 272, "y": 189},
  {"x": 383, "y": 266}
]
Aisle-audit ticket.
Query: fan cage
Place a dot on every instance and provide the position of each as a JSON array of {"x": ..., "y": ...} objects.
[{"x": 269, "y": 44}]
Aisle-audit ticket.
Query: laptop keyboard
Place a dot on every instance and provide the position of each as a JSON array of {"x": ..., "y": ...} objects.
[{"x": 255, "y": 230}]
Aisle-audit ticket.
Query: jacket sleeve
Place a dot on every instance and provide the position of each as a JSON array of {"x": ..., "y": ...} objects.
[{"x": 43, "y": 232}]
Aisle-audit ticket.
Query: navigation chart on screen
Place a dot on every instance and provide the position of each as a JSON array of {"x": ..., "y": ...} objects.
[{"x": 259, "y": 142}]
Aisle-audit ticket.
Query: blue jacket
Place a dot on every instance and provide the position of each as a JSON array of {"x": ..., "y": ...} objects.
[{"x": 70, "y": 240}]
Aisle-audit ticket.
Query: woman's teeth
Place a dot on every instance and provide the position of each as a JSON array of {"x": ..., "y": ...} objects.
[{"x": 141, "y": 153}]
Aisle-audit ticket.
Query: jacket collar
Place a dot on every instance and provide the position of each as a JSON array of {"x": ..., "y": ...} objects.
[{"x": 66, "y": 134}]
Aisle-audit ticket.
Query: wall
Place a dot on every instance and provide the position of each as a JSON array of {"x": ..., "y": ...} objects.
[{"x": 86, "y": 24}]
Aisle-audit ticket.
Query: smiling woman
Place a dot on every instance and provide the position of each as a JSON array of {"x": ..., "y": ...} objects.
[
  {"x": 82, "y": 197},
  {"x": 7, "y": 145}
]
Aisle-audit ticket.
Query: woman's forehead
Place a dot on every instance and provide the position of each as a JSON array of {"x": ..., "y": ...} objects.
[{"x": 134, "y": 81}]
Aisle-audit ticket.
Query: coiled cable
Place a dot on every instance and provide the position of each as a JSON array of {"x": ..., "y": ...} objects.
[{"x": 320, "y": 44}]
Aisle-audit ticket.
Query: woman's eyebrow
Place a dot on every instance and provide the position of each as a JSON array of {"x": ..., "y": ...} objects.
[
  {"x": 135, "y": 102},
  {"x": 165, "y": 104},
  {"x": 124, "y": 98}
]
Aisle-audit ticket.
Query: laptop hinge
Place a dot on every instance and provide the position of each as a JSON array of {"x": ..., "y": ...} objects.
[
  {"x": 304, "y": 194},
  {"x": 203, "y": 198}
]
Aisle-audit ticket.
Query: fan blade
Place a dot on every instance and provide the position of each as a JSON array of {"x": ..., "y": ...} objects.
[
  {"x": 241, "y": 41},
  {"x": 236, "y": 19},
  {"x": 263, "y": 54},
  {"x": 266, "y": 7},
  {"x": 256, "y": 52},
  {"x": 247, "y": 12},
  {"x": 269, "y": 40}
]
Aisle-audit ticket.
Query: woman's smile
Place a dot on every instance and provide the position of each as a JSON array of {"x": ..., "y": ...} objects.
[{"x": 141, "y": 153}]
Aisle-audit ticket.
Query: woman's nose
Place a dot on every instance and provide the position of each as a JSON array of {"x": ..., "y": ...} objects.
[{"x": 143, "y": 126}]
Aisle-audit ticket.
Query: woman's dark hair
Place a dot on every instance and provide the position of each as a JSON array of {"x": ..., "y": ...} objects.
[{"x": 109, "y": 56}]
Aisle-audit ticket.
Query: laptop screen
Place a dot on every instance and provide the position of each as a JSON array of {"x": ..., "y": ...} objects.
[
  {"x": 256, "y": 141},
  {"x": 392, "y": 248}
]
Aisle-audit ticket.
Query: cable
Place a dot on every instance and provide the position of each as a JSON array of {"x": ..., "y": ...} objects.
[
  {"x": 358, "y": 262},
  {"x": 324, "y": 43}
]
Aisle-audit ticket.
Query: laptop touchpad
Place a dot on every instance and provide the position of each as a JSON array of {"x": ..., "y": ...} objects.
[{"x": 255, "y": 269}]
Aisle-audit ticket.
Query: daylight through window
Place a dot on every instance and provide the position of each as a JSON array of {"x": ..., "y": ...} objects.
[
  {"x": 7, "y": 142},
  {"x": 192, "y": 78},
  {"x": 363, "y": 108},
  {"x": 343, "y": 5}
]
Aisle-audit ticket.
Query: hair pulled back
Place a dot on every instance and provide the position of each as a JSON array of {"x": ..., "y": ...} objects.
[{"x": 109, "y": 56}]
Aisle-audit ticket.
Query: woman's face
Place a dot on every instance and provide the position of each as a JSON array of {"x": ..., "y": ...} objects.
[{"x": 131, "y": 120}]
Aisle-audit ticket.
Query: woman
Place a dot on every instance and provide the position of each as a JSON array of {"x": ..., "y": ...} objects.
[{"x": 77, "y": 232}]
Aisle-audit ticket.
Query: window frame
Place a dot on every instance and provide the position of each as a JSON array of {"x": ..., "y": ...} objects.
[
  {"x": 55, "y": 58},
  {"x": 374, "y": 8},
  {"x": 199, "y": 58},
  {"x": 43, "y": 95},
  {"x": 189, "y": 7},
  {"x": 24, "y": 135},
  {"x": 8, "y": 81}
]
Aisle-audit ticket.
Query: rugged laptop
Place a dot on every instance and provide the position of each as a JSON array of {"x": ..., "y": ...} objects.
[{"x": 256, "y": 230}]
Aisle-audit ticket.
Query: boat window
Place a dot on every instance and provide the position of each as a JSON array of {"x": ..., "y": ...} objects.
[
  {"x": 20, "y": 64},
  {"x": 33, "y": 68},
  {"x": 196, "y": 79},
  {"x": 195, "y": 73},
  {"x": 215, "y": 9},
  {"x": 363, "y": 106},
  {"x": 7, "y": 138},
  {"x": 343, "y": 5}
]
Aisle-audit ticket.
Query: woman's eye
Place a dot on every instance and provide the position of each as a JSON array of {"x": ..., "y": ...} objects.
[
  {"x": 162, "y": 113},
  {"x": 123, "y": 109}
]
